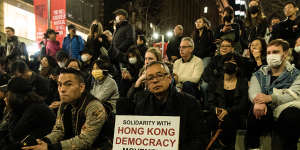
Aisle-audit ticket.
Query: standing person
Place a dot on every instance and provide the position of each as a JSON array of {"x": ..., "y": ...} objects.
[
  {"x": 274, "y": 91},
  {"x": 123, "y": 37},
  {"x": 51, "y": 44},
  {"x": 109, "y": 36},
  {"x": 14, "y": 49},
  {"x": 173, "y": 46},
  {"x": 79, "y": 120},
  {"x": 204, "y": 41},
  {"x": 73, "y": 44},
  {"x": 141, "y": 44},
  {"x": 256, "y": 23},
  {"x": 288, "y": 29},
  {"x": 97, "y": 41}
]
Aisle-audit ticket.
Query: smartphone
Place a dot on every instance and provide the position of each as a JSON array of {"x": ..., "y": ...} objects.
[{"x": 29, "y": 141}]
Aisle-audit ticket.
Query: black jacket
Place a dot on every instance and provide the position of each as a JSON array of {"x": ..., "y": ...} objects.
[
  {"x": 296, "y": 60},
  {"x": 94, "y": 44},
  {"x": 252, "y": 32},
  {"x": 17, "y": 49},
  {"x": 123, "y": 38},
  {"x": 238, "y": 105},
  {"x": 40, "y": 85},
  {"x": 204, "y": 45},
  {"x": 36, "y": 120},
  {"x": 142, "y": 48},
  {"x": 284, "y": 30},
  {"x": 173, "y": 47},
  {"x": 193, "y": 132}
]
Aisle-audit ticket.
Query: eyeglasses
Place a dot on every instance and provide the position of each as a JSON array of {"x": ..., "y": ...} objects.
[
  {"x": 158, "y": 76},
  {"x": 184, "y": 47},
  {"x": 225, "y": 46}
]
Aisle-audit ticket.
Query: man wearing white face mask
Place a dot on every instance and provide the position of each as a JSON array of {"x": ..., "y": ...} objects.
[
  {"x": 296, "y": 54},
  {"x": 274, "y": 92},
  {"x": 87, "y": 59}
]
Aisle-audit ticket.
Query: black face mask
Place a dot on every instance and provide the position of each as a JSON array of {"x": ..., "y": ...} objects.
[
  {"x": 253, "y": 9},
  {"x": 227, "y": 19},
  {"x": 230, "y": 68}
]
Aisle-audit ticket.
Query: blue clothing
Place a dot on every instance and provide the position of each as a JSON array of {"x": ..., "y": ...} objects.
[{"x": 73, "y": 46}]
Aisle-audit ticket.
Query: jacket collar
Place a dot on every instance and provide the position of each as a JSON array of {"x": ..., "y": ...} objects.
[{"x": 288, "y": 67}]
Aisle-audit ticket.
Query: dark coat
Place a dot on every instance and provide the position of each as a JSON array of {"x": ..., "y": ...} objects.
[
  {"x": 123, "y": 38},
  {"x": 204, "y": 45},
  {"x": 94, "y": 44},
  {"x": 284, "y": 30},
  {"x": 173, "y": 47},
  {"x": 18, "y": 49},
  {"x": 296, "y": 60},
  {"x": 142, "y": 48},
  {"x": 36, "y": 120},
  {"x": 40, "y": 85},
  {"x": 193, "y": 133},
  {"x": 239, "y": 103}
]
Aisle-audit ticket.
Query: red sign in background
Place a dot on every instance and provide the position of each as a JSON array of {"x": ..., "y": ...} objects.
[
  {"x": 41, "y": 18},
  {"x": 58, "y": 18}
]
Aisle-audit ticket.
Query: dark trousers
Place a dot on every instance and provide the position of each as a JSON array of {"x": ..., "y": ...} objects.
[
  {"x": 191, "y": 88},
  {"x": 287, "y": 127}
]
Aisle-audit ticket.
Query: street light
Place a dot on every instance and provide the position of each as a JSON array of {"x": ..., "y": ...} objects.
[
  {"x": 155, "y": 35},
  {"x": 169, "y": 34}
]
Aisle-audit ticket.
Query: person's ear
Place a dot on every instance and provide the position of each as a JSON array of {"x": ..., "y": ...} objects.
[{"x": 82, "y": 87}]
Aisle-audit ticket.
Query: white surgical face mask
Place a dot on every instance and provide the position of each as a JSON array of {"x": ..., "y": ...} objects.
[
  {"x": 132, "y": 60},
  {"x": 297, "y": 49},
  {"x": 274, "y": 60},
  {"x": 61, "y": 64},
  {"x": 84, "y": 58}
]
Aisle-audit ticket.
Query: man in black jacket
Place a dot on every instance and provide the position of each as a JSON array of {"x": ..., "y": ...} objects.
[
  {"x": 288, "y": 29},
  {"x": 123, "y": 37},
  {"x": 173, "y": 46},
  {"x": 164, "y": 100}
]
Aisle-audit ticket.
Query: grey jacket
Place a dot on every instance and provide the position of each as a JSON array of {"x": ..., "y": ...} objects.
[
  {"x": 284, "y": 90},
  {"x": 106, "y": 90}
]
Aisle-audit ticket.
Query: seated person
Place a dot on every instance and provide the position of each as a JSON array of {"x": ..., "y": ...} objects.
[
  {"x": 273, "y": 91},
  {"x": 296, "y": 54},
  {"x": 188, "y": 69},
  {"x": 28, "y": 116},
  {"x": 69, "y": 132},
  {"x": 227, "y": 100},
  {"x": 164, "y": 100},
  {"x": 104, "y": 87}
]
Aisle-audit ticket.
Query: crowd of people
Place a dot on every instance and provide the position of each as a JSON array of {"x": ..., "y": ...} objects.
[{"x": 243, "y": 75}]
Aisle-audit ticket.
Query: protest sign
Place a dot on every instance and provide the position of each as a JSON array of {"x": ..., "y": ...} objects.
[{"x": 146, "y": 133}]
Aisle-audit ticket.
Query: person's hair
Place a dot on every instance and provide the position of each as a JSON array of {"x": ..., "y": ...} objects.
[
  {"x": 135, "y": 51},
  {"x": 19, "y": 66},
  {"x": 143, "y": 38},
  {"x": 18, "y": 102},
  {"x": 62, "y": 55},
  {"x": 280, "y": 42},
  {"x": 206, "y": 21},
  {"x": 51, "y": 62},
  {"x": 263, "y": 51},
  {"x": 290, "y": 2},
  {"x": 10, "y": 28},
  {"x": 108, "y": 32},
  {"x": 155, "y": 52},
  {"x": 71, "y": 26},
  {"x": 229, "y": 10},
  {"x": 190, "y": 40},
  {"x": 76, "y": 73},
  {"x": 75, "y": 60},
  {"x": 260, "y": 16},
  {"x": 160, "y": 63},
  {"x": 104, "y": 65},
  {"x": 100, "y": 29},
  {"x": 227, "y": 40},
  {"x": 180, "y": 27}
]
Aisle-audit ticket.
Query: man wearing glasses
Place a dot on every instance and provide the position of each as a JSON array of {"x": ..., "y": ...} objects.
[
  {"x": 188, "y": 69},
  {"x": 162, "y": 99}
]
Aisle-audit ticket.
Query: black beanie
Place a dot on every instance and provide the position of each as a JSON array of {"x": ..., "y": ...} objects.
[{"x": 19, "y": 85}]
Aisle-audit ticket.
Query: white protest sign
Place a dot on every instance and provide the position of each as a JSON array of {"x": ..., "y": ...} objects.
[{"x": 146, "y": 133}]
